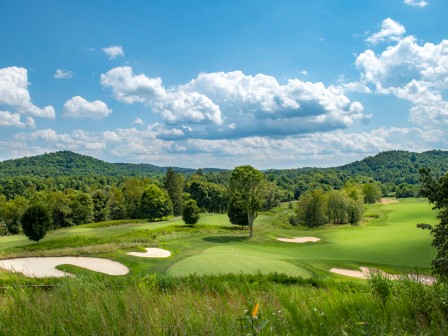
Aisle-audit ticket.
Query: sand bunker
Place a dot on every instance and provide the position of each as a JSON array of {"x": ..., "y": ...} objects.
[
  {"x": 299, "y": 239},
  {"x": 44, "y": 267},
  {"x": 366, "y": 273},
  {"x": 151, "y": 252},
  {"x": 388, "y": 201}
]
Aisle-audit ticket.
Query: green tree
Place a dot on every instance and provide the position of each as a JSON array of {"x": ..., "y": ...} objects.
[
  {"x": 58, "y": 203},
  {"x": 437, "y": 193},
  {"x": 35, "y": 222},
  {"x": 190, "y": 212},
  {"x": 116, "y": 204},
  {"x": 13, "y": 211},
  {"x": 237, "y": 214},
  {"x": 81, "y": 208},
  {"x": 355, "y": 209},
  {"x": 311, "y": 208},
  {"x": 372, "y": 193},
  {"x": 337, "y": 206},
  {"x": 155, "y": 203},
  {"x": 248, "y": 187},
  {"x": 174, "y": 185},
  {"x": 99, "y": 199}
]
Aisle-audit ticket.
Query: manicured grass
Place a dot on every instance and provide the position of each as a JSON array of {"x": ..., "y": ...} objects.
[{"x": 387, "y": 238}]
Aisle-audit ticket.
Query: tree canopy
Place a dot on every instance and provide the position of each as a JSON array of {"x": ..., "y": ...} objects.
[{"x": 248, "y": 187}]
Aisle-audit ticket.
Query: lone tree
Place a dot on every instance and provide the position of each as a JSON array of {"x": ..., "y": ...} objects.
[
  {"x": 237, "y": 214},
  {"x": 35, "y": 222},
  {"x": 437, "y": 193},
  {"x": 248, "y": 187},
  {"x": 190, "y": 212}
]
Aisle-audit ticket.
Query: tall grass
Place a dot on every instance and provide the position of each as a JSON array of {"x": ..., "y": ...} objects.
[{"x": 212, "y": 305}]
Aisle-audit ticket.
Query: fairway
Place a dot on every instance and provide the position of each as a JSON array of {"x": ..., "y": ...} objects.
[{"x": 391, "y": 241}]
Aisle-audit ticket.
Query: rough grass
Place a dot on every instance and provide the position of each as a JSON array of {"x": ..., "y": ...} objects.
[{"x": 213, "y": 305}]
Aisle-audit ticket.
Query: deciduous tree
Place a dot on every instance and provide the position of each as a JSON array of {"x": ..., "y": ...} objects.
[{"x": 248, "y": 186}]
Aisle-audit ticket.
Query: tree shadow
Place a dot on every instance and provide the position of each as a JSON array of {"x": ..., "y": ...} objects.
[{"x": 225, "y": 239}]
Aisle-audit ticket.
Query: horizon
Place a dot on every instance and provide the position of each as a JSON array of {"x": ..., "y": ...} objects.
[
  {"x": 207, "y": 167},
  {"x": 217, "y": 85}
]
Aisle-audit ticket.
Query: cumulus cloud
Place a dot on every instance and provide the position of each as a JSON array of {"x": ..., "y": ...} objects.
[
  {"x": 172, "y": 104},
  {"x": 113, "y": 51},
  {"x": 146, "y": 145},
  {"x": 390, "y": 31},
  {"x": 14, "y": 94},
  {"x": 63, "y": 74},
  {"x": 413, "y": 72},
  {"x": 416, "y": 3},
  {"x": 258, "y": 104},
  {"x": 80, "y": 108}
]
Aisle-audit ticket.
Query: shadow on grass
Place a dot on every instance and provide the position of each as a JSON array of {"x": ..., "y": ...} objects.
[{"x": 225, "y": 239}]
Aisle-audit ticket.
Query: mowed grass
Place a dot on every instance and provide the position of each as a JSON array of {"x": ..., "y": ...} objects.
[
  {"x": 390, "y": 241},
  {"x": 387, "y": 238}
]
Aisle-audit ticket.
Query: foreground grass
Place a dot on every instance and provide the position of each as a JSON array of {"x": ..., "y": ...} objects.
[{"x": 211, "y": 305}]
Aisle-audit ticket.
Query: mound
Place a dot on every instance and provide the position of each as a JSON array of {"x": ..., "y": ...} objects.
[
  {"x": 299, "y": 240},
  {"x": 44, "y": 267},
  {"x": 151, "y": 252}
]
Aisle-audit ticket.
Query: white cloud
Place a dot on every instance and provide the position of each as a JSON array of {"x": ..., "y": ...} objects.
[
  {"x": 78, "y": 107},
  {"x": 416, "y": 3},
  {"x": 113, "y": 51},
  {"x": 259, "y": 105},
  {"x": 138, "y": 121},
  {"x": 63, "y": 74},
  {"x": 14, "y": 94},
  {"x": 390, "y": 31},
  {"x": 173, "y": 105},
  {"x": 413, "y": 72},
  {"x": 10, "y": 119}
]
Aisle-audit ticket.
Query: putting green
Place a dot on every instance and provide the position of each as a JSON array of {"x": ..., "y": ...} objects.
[{"x": 222, "y": 263}]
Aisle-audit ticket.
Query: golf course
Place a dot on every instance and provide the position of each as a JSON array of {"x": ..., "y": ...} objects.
[{"x": 387, "y": 238}]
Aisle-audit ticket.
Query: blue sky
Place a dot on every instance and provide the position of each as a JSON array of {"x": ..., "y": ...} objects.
[{"x": 275, "y": 84}]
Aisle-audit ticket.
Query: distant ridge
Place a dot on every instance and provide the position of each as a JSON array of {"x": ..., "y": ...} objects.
[
  {"x": 391, "y": 166},
  {"x": 67, "y": 163}
]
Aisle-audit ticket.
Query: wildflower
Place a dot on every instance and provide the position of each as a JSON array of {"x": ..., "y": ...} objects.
[{"x": 255, "y": 311}]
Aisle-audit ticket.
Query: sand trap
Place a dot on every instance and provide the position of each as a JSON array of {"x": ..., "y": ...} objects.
[
  {"x": 299, "y": 239},
  {"x": 366, "y": 272},
  {"x": 151, "y": 252},
  {"x": 387, "y": 201},
  {"x": 44, "y": 267}
]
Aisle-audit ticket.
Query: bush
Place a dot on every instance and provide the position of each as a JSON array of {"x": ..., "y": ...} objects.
[
  {"x": 35, "y": 222},
  {"x": 190, "y": 213}
]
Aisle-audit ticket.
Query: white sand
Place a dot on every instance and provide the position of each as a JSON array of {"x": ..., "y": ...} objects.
[
  {"x": 388, "y": 201},
  {"x": 366, "y": 272},
  {"x": 299, "y": 240},
  {"x": 151, "y": 252},
  {"x": 44, "y": 267}
]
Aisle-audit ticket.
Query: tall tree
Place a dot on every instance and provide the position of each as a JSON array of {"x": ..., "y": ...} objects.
[
  {"x": 35, "y": 222},
  {"x": 248, "y": 186},
  {"x": 237, "y": 214},
  {"x": 174, "y": 185},
  {"x": 437, "y": 193},
  {"x": 155, "y": 203},
  {"x": 99, "y": 199},
  {"x": 372, "y": 192},
  {"x": 312, "y": 208}
]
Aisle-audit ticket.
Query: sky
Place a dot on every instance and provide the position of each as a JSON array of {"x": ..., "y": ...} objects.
[{"x": 273, "y": 84}]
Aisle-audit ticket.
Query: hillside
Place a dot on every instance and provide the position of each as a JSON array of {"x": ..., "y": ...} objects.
[
  {"x": 399, "y": 166},
  {"x": 66, "y": 163}
]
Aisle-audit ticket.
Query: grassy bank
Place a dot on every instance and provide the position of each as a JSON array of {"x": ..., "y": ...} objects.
[{"x": 212, "y": 305}]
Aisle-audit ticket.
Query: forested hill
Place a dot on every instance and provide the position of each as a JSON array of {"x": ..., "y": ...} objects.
[
  {"x": 66, "y": 163},
  {"x": 399, "y": 166}
]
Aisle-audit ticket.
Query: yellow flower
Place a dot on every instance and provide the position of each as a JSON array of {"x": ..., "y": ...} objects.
[{"x": 255, "y": 311}]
